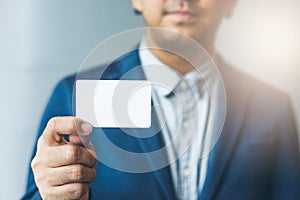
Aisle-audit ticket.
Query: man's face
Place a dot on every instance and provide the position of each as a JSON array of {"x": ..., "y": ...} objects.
[{"x": 198, "y": 19}]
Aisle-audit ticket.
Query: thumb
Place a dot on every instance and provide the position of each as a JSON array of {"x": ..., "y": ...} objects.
[
  {"x": 82, "y": 139},
  {"x": 58, "y": 127}
]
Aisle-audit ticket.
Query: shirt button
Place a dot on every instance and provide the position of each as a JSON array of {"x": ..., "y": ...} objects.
[
  {"x": 186, "y": 173},
  {"x": 186, "y": 124},
  {"x": 183, "y": 85}
]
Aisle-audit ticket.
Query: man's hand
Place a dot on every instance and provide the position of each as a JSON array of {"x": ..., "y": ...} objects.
[{"x": 64, "y": 170}]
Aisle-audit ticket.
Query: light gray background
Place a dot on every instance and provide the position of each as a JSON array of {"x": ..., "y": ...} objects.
[{"x": 42, "y": 41}]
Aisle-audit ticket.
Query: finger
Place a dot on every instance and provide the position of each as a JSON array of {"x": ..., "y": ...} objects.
[
  {"x": 69, "y": 191},
  {"x": 80, "y": 140},
  {"x": 85, "y": 197},
  {"x": 71, "y": 174},
  {"x": 57, "y": 127},
  {"x": 69, "y": 154}
]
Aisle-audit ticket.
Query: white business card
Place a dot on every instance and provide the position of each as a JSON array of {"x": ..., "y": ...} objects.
[{"x": 114, "y": 103}]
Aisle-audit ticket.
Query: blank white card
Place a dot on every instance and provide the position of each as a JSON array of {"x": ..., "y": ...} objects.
[{"x": 114, "y": 103}]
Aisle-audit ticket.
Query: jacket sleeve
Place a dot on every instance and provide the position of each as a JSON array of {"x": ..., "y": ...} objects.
[{"x": 60, "y": 104}]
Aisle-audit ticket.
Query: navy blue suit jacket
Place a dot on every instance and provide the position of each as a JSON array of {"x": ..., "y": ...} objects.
[{"x": 256, "y": 157}]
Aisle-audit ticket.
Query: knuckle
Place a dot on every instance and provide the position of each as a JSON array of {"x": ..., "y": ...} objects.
[
  {"x": 94, "y": 172},
  {"x": 48, "y": 181},
  {"x": 40, "y": 179},
  {"x": 73, "y": 125},
  {"x": 38, "y": 161},
  {"x": 95, "y": 163},
  {"x": 52, "y": 121},
  {"x": 37, "y": 179},
  {"x": 79, "y": 190},
  {"x": 34, "y": 163},
  {"x": 40, "y": 141},
  {"x": 93, "y": 158},
  {"x": 70, "y": 126},
  {"x": 49, "y": 193},
  {"x": 73, "y": 153},
  {"x": 79, "y": 173}
]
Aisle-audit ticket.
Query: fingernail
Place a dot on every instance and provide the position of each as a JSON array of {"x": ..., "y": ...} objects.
[{"x": 86, "y": 128}]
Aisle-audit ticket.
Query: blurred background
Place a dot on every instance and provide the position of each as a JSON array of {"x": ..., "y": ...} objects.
[{"x": 42, "y": 41}]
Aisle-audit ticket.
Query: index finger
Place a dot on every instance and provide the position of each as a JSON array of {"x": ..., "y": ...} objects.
[{"x": 57, "y": 127}]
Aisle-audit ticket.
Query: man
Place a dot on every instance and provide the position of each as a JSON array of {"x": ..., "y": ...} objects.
[{"x": 256, "y": 156}]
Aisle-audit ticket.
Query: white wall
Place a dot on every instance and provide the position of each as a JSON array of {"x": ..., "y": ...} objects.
[
  {"x": 41, "y": 41},
  {"x": 263, "y": 39}
]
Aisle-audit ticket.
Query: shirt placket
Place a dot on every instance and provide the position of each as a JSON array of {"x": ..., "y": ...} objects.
[{"x": 188, "y": 114}]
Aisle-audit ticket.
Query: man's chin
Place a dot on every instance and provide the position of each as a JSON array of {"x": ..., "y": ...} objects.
[
  {"x": 172, "y": 39},
  {"x": 167, "y": 36},
  {"x": 180, "y": 34}
]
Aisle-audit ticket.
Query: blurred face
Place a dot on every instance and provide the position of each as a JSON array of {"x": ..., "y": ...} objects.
[{"x": 198, "y": 19}]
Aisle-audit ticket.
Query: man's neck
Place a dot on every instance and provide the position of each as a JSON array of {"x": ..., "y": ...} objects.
[
  {"x": 174, "y": 61},
  {"x": 185, "y": 62}
]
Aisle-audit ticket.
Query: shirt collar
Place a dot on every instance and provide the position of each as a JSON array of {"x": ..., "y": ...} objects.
[
  {"x": 159, "y": 74},
  {"x": 155, "y": 70}
]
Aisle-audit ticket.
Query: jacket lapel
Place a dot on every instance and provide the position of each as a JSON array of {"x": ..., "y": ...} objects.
[
  {"x": 128, "y": 68},
  {"x": 157, "y": 159},
  {"x": 224, "y": 149}
]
